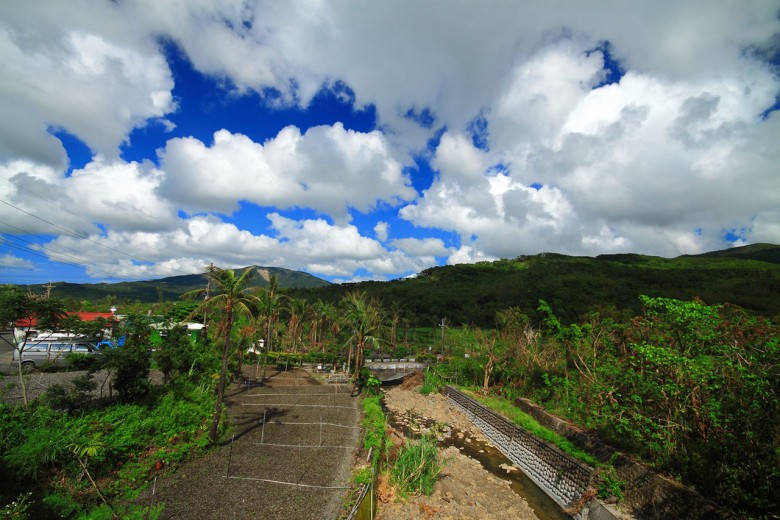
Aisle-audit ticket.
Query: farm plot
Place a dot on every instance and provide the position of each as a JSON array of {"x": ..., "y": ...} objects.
[{"x": 290, "y": 456}]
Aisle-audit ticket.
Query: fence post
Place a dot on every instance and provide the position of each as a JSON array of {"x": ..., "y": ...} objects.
[
  {"x": 262, "y": 433},
  {"x": 230, "y": 456}
]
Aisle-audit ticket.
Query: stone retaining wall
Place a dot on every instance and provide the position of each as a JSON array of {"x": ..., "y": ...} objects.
[{"x": 560, "y": 475}]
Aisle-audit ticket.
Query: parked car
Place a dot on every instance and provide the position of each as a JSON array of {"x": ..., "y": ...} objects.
[{"x": 55, "y": 352}]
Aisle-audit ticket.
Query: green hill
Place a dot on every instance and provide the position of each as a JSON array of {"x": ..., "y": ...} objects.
[
  {"x": 573, "y": 285},
  {"x": 171, "y": 288},
  {"x": 761, "y": 252}
]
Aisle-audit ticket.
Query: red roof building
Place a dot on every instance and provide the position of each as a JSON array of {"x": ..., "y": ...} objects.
[{"x": 83, "y": 316}]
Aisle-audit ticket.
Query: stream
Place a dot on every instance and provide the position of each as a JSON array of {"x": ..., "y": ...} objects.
[{"x": 491, "y": 459}]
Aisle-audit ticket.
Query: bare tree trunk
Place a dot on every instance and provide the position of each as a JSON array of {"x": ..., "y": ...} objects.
[
  {"x": 486, "y": 375},
  {"x": 21, "y": 377},
  {"x": 358, "y": 359},
  {"x": 94, "y": 484},
  {"x": 222, "y": 377}
]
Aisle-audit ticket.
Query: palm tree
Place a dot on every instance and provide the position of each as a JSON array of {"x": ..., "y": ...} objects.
[
  {"x": 322, "y": 314},
  {"x": 270, "y": 303},
  {"x": 298, "y": 309},
  {"x": 396, "y": 315},
  {"x": 363, "y": 316},
  {"x": 228, "y": 293}
]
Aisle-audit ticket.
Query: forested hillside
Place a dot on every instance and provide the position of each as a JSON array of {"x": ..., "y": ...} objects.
[
  {"x": 747, "y": 276},
  {"x": 473, "y": 293}
]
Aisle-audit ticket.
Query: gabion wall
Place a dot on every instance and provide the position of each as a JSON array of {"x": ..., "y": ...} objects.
[{"x": 560, "y": 475}]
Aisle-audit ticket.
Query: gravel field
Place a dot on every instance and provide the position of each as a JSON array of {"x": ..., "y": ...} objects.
[
  {"x": 292, "y": 463},
  {"x": 38, "y": 382}
]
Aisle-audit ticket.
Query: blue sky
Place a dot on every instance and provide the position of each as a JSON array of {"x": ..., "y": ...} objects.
[{"x": 358, "y": 140}]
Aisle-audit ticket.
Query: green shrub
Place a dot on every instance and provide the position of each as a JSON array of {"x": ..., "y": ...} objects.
[
  {"x": 79, "y": 361},
  {"x": 17, "y": 510},
  {"x": 372, "y": 385},
  {"x": 363, "y": 475},
  {"x": 610, "y": 485},
  {"x": 175, "y": 355},
  {"x": 47, "y": 367},
  {"x": 431, "y": 383},
  {"x": 58, "y": 397},
  {"x": 61, "y": 505},
  {"x": 36, "y": 443},
  {"x": 84, "y": 384}
]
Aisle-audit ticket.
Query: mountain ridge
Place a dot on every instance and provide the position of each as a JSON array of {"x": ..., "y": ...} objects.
[
  {"x": 748, "y": 276},
  {"x": 172, "y": 287}
]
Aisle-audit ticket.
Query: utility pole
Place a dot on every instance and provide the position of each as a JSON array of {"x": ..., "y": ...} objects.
[
  {"x": 206, "y": 297},
  {"x": 48, "y": 289},
  {"x": 443, "y": 325}
]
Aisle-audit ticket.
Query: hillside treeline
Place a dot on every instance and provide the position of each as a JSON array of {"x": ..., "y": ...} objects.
[{"x": 471, "y": 294}]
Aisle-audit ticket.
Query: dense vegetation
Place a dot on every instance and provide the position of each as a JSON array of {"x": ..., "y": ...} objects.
[
  {"x": 691, "y": 389},
  {"x": 473, "y": 293},
  {"x": 86, "y": 450},
  {"x": 93, "y": 462}
]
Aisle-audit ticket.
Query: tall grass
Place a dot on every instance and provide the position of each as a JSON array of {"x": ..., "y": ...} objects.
[
  {"x": 432, "y": 382},
  {"x": 375, "y": 427},
  {"x": 417, "y": 467},
  {"x": 126, "y": 439}
]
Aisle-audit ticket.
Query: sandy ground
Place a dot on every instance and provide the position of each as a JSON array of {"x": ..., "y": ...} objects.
[{"x": 465, "y": 490}]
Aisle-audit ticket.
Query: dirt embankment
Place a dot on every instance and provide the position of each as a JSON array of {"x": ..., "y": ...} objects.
[{"x": 465, "y": 490}]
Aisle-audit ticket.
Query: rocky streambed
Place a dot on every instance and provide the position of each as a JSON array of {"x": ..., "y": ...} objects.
[{"x": 477, "y": 481}]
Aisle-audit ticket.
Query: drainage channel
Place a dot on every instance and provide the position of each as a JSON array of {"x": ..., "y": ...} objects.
[{"x": 495, "y": 462}]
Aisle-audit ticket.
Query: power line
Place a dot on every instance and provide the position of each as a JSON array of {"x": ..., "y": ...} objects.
[
  {"x": 173, "y": 271},
  {"x": 47, "y": 200},
  {"x": 77, "y": 235},
  {"x": 49, "y": 248},
  {"x": 81, "y": 263},
  {"x": 78, "y": 261},
  {"x": 54, "y": 259},
  {"x": 71, "y": 232}
]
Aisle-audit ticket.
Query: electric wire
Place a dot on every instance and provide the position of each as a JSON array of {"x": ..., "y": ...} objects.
[
  {"x": 80, "y": 260},
  {"x": 51, "y": 251},
  {"x": 74, "y": 233},
  {"x": 77, "y": 235},
  {"x": 28, "y": 190}
]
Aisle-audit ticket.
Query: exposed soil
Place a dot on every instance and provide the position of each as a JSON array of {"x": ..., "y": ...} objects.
[{"x": 465, "y": 490}]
